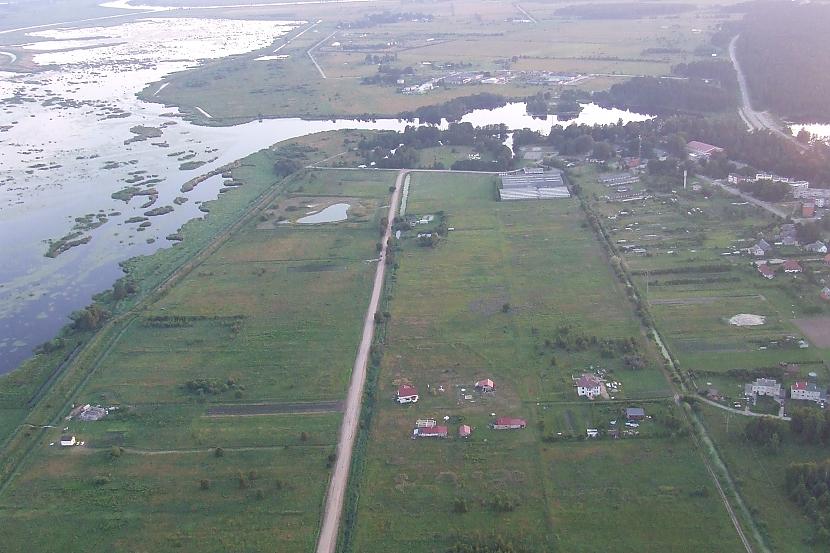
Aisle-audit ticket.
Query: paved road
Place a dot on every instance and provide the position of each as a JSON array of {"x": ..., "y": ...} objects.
[
  {"x": 756, "y": 120},
  {"x": 348, "y": 429},
  {"x": 526, "y": 14},
  {"x": 311, "y": 56},
  {"x": 12, "y": 57}
]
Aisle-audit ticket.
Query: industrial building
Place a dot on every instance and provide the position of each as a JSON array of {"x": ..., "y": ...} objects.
[{"x": 533, "y": 184}]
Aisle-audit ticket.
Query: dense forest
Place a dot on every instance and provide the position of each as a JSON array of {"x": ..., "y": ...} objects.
[
  {"x": 668, "y": 96},
  {"x": 808, "y": 484},
  {"x": 396, "y": 150},
  {"x": 783, "y": 52}
]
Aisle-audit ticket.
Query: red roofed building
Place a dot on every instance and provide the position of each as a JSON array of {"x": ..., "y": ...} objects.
[
  {"x": 827, "y": 259},
  {"x": 430, "y": 432},
  {"x": 589, "y": 386},
  {"x": 825, "y": 294},
  {"x": 792, "y": 266},
  {"x": 701, "y": 149},
  {"x": 506, "y": 423},
  {"x": 808, "y": 209},
  {"x": 464, "y": 431},
  {"x": 485, "y": 385},
  {"x": 766, "y": 271},
  {"x": 406, "y": 394}
]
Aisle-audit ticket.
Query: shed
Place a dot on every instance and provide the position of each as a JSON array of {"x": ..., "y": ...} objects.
[
  {"x": 507, "y": 423},
  {"x": 485, "y": 385},
  {"x": 431, "y": 432},
  {"x": 635, "y": 413},
  {"x": 67, "y": 440}
]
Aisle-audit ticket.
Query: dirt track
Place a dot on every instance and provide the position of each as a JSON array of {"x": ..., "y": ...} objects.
[
  {"x": 256, "y": 409},
  {"x": 327, "y": 541}
]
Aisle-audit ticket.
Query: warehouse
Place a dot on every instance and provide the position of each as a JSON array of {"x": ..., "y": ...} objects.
[{"x": 533, "y": 184}]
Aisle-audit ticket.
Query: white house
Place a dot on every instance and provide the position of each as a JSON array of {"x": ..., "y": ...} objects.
[
  {"x": 816, "y": 247},
  {"x": 763, "y": 387},
  {"x": 588, "y": 386},
  {"x": 67, "y": 440},
  {"x": 406, "y": 394},
  {"x": 808, "y": 390}
]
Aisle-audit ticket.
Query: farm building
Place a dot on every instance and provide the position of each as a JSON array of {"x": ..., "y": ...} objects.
[
  {"x": 406, "y": 394},
  {"x": 763, "y": 387},
  {"x": 792, "y": 266},
  {"x": 588, "y": 386},
  {"x": 701, "y": 149},
  {"x": 533, "y": 185},
  {"x": 766, "y": 271},
  {"x": 464, "y": 431},
  {"x": 430, "y": 432},
  {"x": 635, "y": 413},
  {"x": 67, "y": 440},
  {"x": 507, "y": 423},
  {"x": 485, "y": 385}
]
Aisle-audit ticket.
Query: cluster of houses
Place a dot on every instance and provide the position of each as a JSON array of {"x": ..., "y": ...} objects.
[
  {"x": 634, "y": 416},
  {"x": 804, "y": 390},
  {"x": 89, "y": 412},
  {"x": 790, "y": 266},
  {"x": 768, "y": 268}
]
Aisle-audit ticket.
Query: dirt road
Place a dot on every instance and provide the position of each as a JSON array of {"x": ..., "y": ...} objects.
[{"x": 348, "y": 429}]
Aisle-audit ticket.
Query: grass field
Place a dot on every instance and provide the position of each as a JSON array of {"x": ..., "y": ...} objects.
[
  {"x": 272, "y": 316},
  {"x": 534, "y": 487}
]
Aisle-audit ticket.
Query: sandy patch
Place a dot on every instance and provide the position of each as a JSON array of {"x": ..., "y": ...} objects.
[{"x": 747, "y": 319}]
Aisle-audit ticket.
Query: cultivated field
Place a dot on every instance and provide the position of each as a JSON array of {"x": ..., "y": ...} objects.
[{"x": 483, "y": 303}]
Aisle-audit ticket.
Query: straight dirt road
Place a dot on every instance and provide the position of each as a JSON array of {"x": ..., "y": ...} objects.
[{"x": 333, "y": 510}]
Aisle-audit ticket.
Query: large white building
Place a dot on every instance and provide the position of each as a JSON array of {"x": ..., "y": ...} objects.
[
  {"x": 763, "y": 387},
  {"x": 588, "y": 386},
  {"x": 808, "y": 390}
]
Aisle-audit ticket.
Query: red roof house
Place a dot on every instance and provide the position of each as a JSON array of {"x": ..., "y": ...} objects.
[
  {"x": 406, "y": 394},
  {"x": 766, "y": 271},
  {"x": 430, "y": 432},
  {"x": 808, "y": 209},
  {"x": 464, "y": 431},
  {"x": 507, "y": 423},
  {"x": 485, "y": 385},
  {"x": 827, "y": 259},
  {"x": 792, "y": 266},
  {"x": 701, "y": 149}
]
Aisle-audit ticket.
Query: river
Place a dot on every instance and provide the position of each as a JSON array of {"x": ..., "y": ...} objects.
[{"x": 63, "y": 133}]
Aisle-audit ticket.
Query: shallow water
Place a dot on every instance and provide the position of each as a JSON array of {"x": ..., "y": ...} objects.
[{"x": 332, "y": 214}]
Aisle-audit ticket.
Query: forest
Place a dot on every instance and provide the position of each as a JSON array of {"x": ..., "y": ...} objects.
[
  {"x": 782, "y": 50},
  {"x": 660, "y": 96}
]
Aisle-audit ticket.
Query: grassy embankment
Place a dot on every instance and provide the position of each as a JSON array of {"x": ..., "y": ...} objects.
[
  {"x": 271, "y": 315},
  {"x": 482, "y": 304}
]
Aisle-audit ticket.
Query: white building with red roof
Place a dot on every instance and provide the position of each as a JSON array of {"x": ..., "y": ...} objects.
[
  {"x": 588, "y": 386},
  {"x": 430, "y": 432},
  {"x": 464, "y": 431},
  {"x": 698, "y": 149},
  {"x": 485, "y": 385},
  {"x": 792, "y": 266},
  {"x": 508, "y": 423},
  {"x": 766, "y": 271},
  {"x": 808, "y": 390},
  {"x": 406, "y": 394}
]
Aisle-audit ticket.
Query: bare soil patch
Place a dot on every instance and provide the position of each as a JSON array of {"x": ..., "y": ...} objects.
[{"x": 817, "y": 330}]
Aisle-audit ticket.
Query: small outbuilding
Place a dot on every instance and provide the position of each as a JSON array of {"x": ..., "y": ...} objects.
[
  {"x": 464, "y": 431},
  {"x": 68, "y": 440},
  {"x": 635, "y": 413},
  {"x": 430, "y": 432},
  {"x": 406, "y": 394},
  {"x": 507, "y": 423},
  {"x": 485, "y": 385}
]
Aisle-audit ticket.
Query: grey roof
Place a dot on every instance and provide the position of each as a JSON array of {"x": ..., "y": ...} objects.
[
  {"x": 533, "y": 193},
  {"x": 635, "y": 412},
  {"x": 548, "y": 179}
]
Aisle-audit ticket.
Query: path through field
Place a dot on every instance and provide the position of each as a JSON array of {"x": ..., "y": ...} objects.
[{"x": 348, "y": 428}]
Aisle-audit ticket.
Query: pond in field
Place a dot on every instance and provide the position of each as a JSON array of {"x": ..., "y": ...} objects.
[
  {"x": 74, "y": 132},
  {"x": 332, "y": 214}
]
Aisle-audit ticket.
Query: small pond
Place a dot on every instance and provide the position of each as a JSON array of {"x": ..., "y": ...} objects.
[{"x": 331, "y": 214}]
